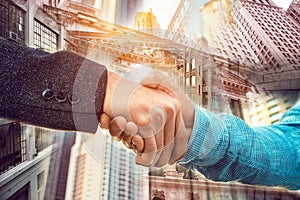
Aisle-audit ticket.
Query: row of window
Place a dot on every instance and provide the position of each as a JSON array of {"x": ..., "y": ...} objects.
[
  {"x": 13, "y": 149},
  {"x": 44, "y": 37},
  {"x": 12, "y": 22},
  {"x": 263, "y": 55},
  {"x": 12, "y": 146},
  {"x": 273, "y": 19},
  {"x": 12, "y": 27},
  {"x": 235, "y": 44},
  {"x": 278, "y": 29}
]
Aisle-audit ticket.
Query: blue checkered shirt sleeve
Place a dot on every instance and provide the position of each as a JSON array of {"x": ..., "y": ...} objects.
[{"x": 224, "y": 148}]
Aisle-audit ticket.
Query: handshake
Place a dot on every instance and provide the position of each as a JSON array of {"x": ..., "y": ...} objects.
[{"x": 154, "y": 118}]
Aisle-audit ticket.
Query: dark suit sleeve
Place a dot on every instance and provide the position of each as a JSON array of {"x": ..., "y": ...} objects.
[{"x": 59, "y": 91}]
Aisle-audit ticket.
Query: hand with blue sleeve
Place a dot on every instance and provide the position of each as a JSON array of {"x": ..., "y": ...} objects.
[{"x": 224, "y": 148}]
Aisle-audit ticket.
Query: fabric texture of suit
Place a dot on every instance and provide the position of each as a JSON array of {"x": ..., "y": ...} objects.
[{"x": 59, "y": 91}]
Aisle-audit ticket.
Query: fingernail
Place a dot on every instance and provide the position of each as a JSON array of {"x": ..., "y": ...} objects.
[
  {"x": 134, "y": 148},
  {"x": 138, "y": 160},
  {"x": 116, "y": 138}
]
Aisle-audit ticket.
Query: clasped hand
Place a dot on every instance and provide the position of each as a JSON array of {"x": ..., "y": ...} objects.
[{"x": 153, "y": 118}]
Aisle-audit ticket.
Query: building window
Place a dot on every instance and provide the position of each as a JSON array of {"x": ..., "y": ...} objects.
[
  {"x": 44, "y": 38},
  {"x": 193, "y": 81},
  {"x": 193, "y": 63},
  {"x": 187, "y": 67},
  {"x": 187, "y": 82},
  {"x": 41, "y": 185},
  {"x": 43, "y": 138},
  {"x": 12, "y": 146},
  {"x": 12, "y": 22},
  {"x": 22, "y": 193}
]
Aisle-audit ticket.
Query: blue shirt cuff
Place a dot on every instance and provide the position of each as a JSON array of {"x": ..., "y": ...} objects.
[{"x": 209, "y": 139}]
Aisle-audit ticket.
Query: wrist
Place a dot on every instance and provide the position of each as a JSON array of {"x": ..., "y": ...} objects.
[
  {"x": 112, "y": 81},
  {"x": 189, "y": 117}
]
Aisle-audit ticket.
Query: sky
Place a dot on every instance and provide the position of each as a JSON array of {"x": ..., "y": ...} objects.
[{"x": 164, "y": 9}]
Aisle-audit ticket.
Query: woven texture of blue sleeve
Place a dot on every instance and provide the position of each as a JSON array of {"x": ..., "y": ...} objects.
[{"x": 224, "y": 148}]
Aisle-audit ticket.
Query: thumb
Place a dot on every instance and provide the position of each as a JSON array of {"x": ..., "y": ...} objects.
[
  {"x": 158, "y": 80},
  {"x": 104, "y": 121}
]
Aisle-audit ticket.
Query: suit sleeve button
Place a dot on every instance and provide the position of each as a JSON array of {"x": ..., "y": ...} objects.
[
  {"x": 61, "y": 97},
  {"x": 73, "y": 99},
  {"x": 48, "y": 94}
]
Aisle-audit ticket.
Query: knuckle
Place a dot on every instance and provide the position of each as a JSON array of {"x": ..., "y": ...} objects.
[
  {"x": 176, "y": 105},
  {"x": 131, "y": 128},
  {"x": 170, "y": 108}
]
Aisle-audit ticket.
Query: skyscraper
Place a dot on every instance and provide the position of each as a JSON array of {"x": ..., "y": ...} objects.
[
  {"x": 146, "y": 22},
  {"x": 270, "y": 33},
  {"x": 269, "y": 109},
  {"x": 104, "y": 169},
  {"x": 221, "y": 32},
  {"x": 257, "y": 35},
  {"x": 185, "y": 26},
  {"x": 126, "y": 11},
  {"x": 220, "y": 73},
  {"x": 294, "y": 10}
]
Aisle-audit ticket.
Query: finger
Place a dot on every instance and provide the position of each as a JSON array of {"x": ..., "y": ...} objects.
[
  {"x": 168, "y": 137},
  {"x": 104, "y": 121},
  {"x": 116, "y": 126},
  {"x": 137, "y": 144},
  {"x": 148, "y": 155},
  {"x": 180, "y": 141},
  {"x": 126, "y": 139},
  {"x": 130, "y": 130}
]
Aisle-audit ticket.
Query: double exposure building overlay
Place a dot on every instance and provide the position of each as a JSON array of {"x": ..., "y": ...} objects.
[
  {"x": 242, "y": 48},
  {"x": 33, "y": 161}
]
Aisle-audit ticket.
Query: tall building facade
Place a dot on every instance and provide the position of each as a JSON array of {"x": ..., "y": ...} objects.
[
  {"x": 126, "y": 11},
  {"x": 257, "y": 34},
  {"x": 274, "y": 39},
  {"x": 213, "y": 78},
  {"x": 119, "y": 11},
  {"x": 269, "y": 109},
  {"x": 34, "y": 161},
  {"x": 221, "y": 33},
  {"x": 294, "y": 10},
  {"x": 146, "y": 22},
  {"x": 255, "y": 41},
  {"x": 104, "y": 169},
  {"x": 185, "y": 25},
  {"x": 24, "y": 22},
  {"x": 56, "y": 182}
]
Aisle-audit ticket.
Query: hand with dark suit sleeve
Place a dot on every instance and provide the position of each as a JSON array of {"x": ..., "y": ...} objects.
[
  {"x": 68, "y": 92},
  {"x": 60, "y": 90}
]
